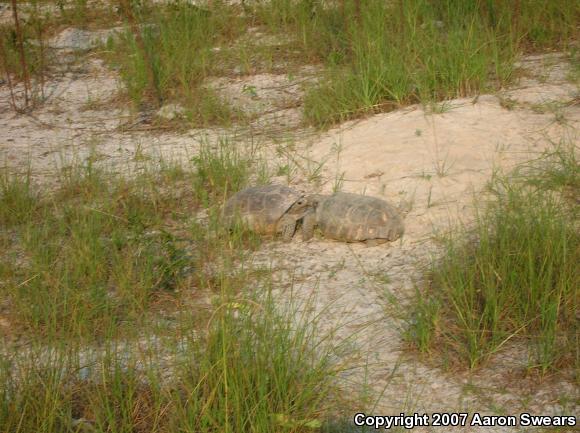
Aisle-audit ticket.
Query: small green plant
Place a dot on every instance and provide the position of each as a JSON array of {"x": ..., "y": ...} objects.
[
  {"x": 338, "y": 182},
  {"x": 338, "y": 175},
  {"x": 556, "y": 170},
  {"x": 250, "y": 90},
  {"x": 284, "y": 381},
  {"x": 556, "y": 109},
  {"x": 442, "y": 166},
  {"x": 438, "y": 107},
  {"x": 220, "y": 171}
]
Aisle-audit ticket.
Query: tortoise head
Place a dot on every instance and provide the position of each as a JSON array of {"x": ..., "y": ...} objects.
[
  {"x": 305, "y": 204},
  {"x": 299, "y": 208}
]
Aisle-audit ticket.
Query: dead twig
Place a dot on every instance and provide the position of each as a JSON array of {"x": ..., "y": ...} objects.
[
  {"x": 23, "y": 62},
  {"x": 8, "y": 79}
]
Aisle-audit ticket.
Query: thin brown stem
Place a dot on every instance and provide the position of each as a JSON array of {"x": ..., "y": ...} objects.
[
  {"x": 8, "y": 79},
  {"x": 42, "y": 60},
  {"x": 358, "y": 12},
  {"x": 516, "y": 17},
  {"x": 20, "y": 41},
  {"x": 39, "y": 35},
  {"x": 343, "y": 11}
]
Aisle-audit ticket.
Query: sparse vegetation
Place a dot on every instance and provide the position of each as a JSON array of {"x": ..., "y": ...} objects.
[
  {"x": 514, "y": 277},
  {"x": 99, "y": 250},
  {"x": 105, "y": 271},
  {"x": 392, "y": 54},
  {"x": 249, "y": 367},
  {"x": 181, "y": 43},
  {"x": 407, "y": 52}
]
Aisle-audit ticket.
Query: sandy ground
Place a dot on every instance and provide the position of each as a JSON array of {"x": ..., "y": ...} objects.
[{"x": 439, "y": 162}]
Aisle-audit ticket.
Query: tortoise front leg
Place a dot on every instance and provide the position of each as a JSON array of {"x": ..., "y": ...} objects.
[
  {"x": 287, "y": 226},
  {"x": 308, "y": 224}
]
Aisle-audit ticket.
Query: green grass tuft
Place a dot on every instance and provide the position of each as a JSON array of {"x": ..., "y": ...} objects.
[
  {"x": 17, "y": 198},
  {"x": 220, "y": 171},
  {"x": 179, "y": 42},
  {"x": 515, "y": 277}
]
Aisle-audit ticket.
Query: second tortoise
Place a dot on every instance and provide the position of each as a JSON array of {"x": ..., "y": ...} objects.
[{"x": 353, "y": 218}]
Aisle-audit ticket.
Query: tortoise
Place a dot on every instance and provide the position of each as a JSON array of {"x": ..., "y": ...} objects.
[
  {"x": 353, "y": 218},
  {"x": 267, "y": 209}
]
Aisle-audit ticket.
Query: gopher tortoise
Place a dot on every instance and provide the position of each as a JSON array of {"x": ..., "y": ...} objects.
[
  {"x": 267, "y": 209},
  {"x": 353, "y": 218}
]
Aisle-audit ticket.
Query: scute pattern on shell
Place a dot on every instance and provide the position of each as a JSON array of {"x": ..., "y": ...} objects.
[
  {"x": 261, "y": 207},
  {"x": 353, "y": 217}
]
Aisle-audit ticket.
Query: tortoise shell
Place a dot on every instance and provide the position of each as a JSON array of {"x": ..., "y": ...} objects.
[
  {"x": 354, "y": 217},
  {"x": 261, "y": 207}
]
